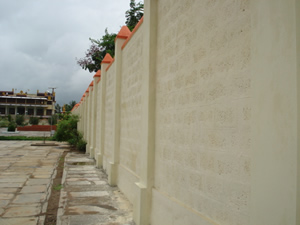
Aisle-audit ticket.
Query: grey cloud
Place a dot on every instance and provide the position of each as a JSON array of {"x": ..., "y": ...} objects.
[{"x": 41, "y": 39}]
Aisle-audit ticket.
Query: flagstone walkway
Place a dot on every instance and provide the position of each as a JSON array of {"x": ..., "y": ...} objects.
[
  {"x": 26, "y": 177},
  {"x": 26, "y": 174},
  {"x": 86, "y": 197}
]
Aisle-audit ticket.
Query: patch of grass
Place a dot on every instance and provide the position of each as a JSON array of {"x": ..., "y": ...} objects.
[
  {"x": 24, "y": 138},
  {"x": 58, "y": 187}
]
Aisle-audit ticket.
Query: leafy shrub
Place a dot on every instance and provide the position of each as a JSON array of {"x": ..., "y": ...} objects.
[
  {"x": 34, "y": 120},
  {"x": 20, "y": 120},
  {"x": 9, "y": 118},
  {"x": 52, "y": 119},
  {"x": 4, "y": 123},
  {"x": 67, "y": 131},
  {"x": 81, "y": 145},
  {"x": 11, "y": 127}
]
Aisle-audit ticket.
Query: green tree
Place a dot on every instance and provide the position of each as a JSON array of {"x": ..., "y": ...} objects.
[
  {"x": 98, "y": 49},
  {"x": 69, "y": 107},
  {"x": 53, "y": 119},
  {"x": 134, "y": 14},
  {"x": 57, "y": 108}
]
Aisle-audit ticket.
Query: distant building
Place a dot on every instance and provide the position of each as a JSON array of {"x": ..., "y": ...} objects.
[{"x": 39, "y": 104}]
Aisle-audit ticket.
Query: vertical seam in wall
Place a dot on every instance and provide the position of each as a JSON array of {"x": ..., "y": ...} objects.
[{"x": 297, "y": 28}]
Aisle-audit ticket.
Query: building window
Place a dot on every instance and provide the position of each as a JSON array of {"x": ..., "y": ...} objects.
[
  {"x": 11, "y": 100},
  {"x": 40, "y": 112},
  {"x": 49, "y": 112},
  {"x": 30, "y": 101},
  {"x": 21, "y": 101},
  {"x": 12, "y": 111},
  {"x": 21, "y": 110},
  {"x": 2, "y": 110},
  {"x": 40, "y": 102},
  {"x": 30, "y": 112},
  {"x": 3, "y": 100}
]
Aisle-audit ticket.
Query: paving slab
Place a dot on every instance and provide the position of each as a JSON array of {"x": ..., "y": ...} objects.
[
  {"x": 22, "y": 211},
  {"x": 26, "y": 175},
  {"x": 87, "y": 198},
  {"x": 25, "y": 181},
  {"x": 37, "y": 181},
  {"x": 19, "y": 221},
  {"x": 34, "y": 189}
]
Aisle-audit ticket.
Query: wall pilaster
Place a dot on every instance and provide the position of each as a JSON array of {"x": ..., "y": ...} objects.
[
  {"x": 105, "y": 63},
  {"x": 142, "y": 205}
]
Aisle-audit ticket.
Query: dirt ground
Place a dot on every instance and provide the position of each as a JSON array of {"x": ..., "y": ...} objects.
[{"x": 51, "y": 214}]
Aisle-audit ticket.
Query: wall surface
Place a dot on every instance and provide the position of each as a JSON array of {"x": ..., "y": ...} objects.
[
  {"x": 130, "y": 129},
  {"x": 108, "y": 130},
  {"x": 203, "y": 108},
  {"x": 198, "y": 116},
  {"x": 275, "y": 115}
]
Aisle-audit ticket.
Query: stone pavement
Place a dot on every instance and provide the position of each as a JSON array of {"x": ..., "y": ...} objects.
[
  {"x": 26, "y": 177},
  {"x": 26, "y": 174},
  {"x": 86, "y": 197}
]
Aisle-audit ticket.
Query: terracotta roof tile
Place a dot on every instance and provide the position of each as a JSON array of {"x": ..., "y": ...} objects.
[
  {"x": 107, "y": 58},
  {"x": 98, "y": 74},
  {"x": 124, "y": 33}
]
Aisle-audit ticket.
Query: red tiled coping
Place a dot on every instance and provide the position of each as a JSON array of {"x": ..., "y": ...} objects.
[
  {"x": 110, "y": 64},
  {"x": 37, "y": 128},
  {"x": 134, "y": 30},
  {"x": 98, "y": 74},
  {"x": 124, "y": 33},
  {"x": 107, "y": 58}
]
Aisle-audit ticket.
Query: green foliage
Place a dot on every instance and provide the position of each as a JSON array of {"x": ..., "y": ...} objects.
[
  {"x": 78, "y": 142},
  {"x": 57, "y": 108},
  {"x": 58, "y": 187},
  {"x": 97, "y": 51},
  {"x": 81, "y": 145},
  {"x": 67, "y": 131},
  {"x": 53, "y": 120},
  {"x": 9, "y": 118},
  {"x": 69, "y": 107},
  {"x": 4, "y": 122},
  {"x": 134, "y": 14},
  {"x": 66, "y": 128},
  {"x": 34, "y": 120},
  {"x": 24, "y": 138},
  {"x": 11, "y": 127},
  {"x": 20, "y": 120}
]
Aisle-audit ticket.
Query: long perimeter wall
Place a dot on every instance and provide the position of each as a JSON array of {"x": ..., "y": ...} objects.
[{"x": 196, "y": 118}]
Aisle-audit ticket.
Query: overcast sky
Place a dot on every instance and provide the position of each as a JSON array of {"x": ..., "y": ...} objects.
[{"x": 40, "y": 39}]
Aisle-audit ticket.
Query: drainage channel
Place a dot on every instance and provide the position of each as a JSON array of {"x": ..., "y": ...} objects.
[{"x": 53, "y": 202}]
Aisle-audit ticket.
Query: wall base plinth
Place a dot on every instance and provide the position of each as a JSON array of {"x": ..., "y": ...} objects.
[
  {"x": 112, "y": 171},
  {"x": 140, "y": 206},
  {"x": 99, "y": 160},
  {"x": 92, "y": 152},
  {"x": 87, "y": 149}
]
